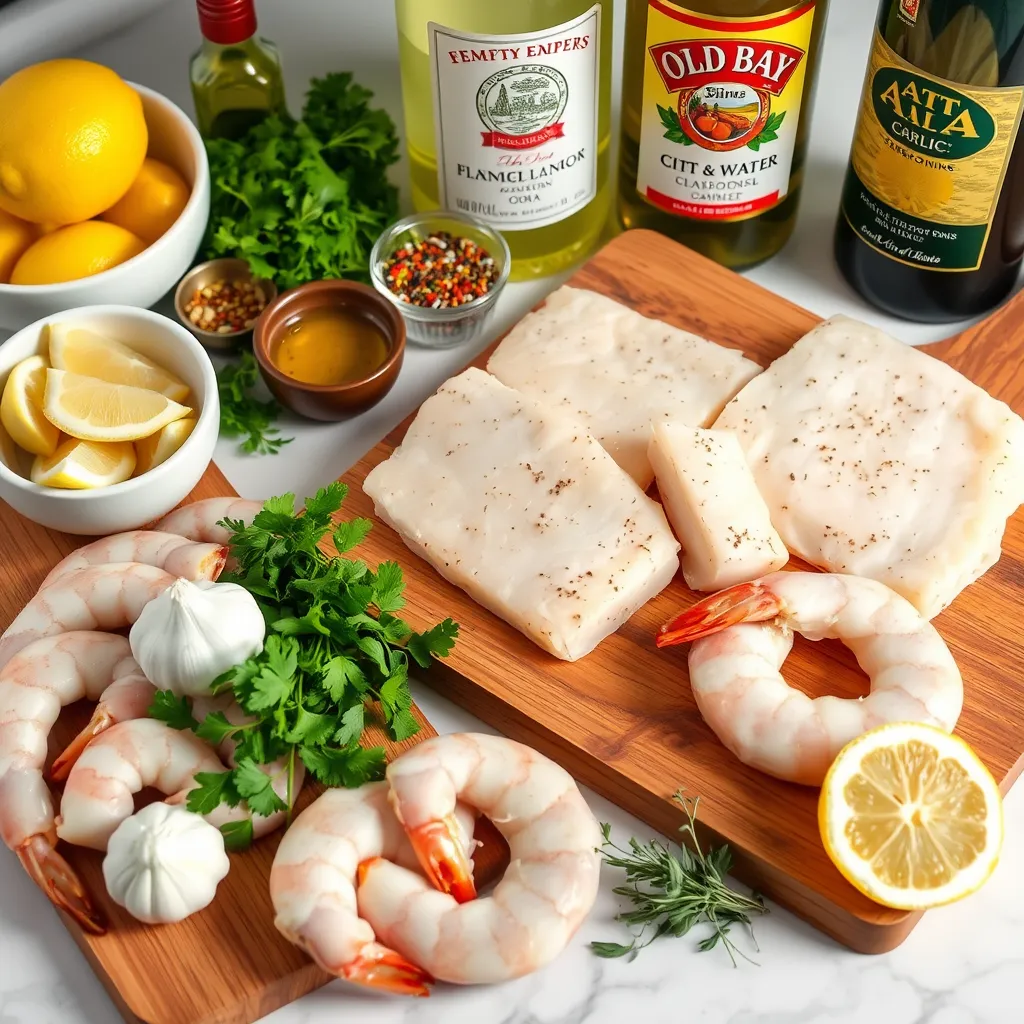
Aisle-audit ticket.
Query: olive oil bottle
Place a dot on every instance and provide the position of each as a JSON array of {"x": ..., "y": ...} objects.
[
  {"x": 716, "y": 100},
  {"x": 931, "y": 224},
  {"x": 507, "y": 118}
]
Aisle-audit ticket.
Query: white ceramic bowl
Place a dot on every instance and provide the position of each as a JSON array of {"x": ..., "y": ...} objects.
[
  {"x": 138, "y": 501},
  {"x": 145, "y": 278}
]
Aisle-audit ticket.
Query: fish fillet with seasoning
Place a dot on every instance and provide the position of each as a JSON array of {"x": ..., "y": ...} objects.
[
  {"x": 618, "y": 371},
  {"x": 878, "y": 460},
  {"x": 526, "y": 512}
]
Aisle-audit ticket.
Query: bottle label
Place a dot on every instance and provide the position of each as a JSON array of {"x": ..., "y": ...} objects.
[
  {"x": 928, "y": 163},
  {"x": 721, "y": 107},
  {"x": 516, "y": 121}
]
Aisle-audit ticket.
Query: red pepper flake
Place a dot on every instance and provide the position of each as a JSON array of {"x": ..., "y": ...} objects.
[
  {"x": 226, "y": 307},
  {"x": 441, "y": 271}
]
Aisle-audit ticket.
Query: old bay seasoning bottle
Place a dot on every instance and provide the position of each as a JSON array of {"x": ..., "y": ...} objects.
[
  {"x": 931, "y": 224},
  {"x": 716, "y": 110},
  {"x": 507, "y": 118}
]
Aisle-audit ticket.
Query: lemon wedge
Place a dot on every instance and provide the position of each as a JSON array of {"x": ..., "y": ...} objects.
[
  {"x": 159, "y": 447},
  {"x": 21, "y": 408},
  {"x": 911, "y": 817},
  {"x": 84, "y": 465},
  {"x": 83, "y": 351},
  {"x": 96, "y": 410},
  {"x": 10, "y": 456}
]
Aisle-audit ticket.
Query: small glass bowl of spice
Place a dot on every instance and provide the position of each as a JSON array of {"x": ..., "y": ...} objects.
[
  {"x": 220, "y": 301},
  {"x": 444, "y": 272}
]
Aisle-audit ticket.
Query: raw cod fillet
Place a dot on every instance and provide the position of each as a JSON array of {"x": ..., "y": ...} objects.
[
  {"x": 618, "y": 371},
  {"x": 881, "y": 461},
  {"x": 525, "y": 512}
]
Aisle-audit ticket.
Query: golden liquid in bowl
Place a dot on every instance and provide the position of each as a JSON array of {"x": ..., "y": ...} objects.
[{"x": 331, "y": 345}]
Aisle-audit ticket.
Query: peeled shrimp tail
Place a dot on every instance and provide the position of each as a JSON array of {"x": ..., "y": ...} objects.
[
  {"x": 168, "y": 551},
  {"x": 198, "y": 521},
  {"x": 101, "y": 597},
  {"x": 52, "y": 873}
]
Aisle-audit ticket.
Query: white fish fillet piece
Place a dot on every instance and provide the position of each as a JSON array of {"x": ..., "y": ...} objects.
[
  {"x": 526, "y": 512},
  {"x": 881, "y": 461},
  {"x": 714, "y": 507},
  {"x": 618, "y": 371}
]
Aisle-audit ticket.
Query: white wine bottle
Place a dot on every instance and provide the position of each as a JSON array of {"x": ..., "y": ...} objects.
[{"x": 507, "y": 118}]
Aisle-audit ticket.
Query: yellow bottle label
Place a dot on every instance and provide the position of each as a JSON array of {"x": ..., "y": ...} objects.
[
  {"x": 721, "y": 107},
  {"x": 928, "y": 163}
]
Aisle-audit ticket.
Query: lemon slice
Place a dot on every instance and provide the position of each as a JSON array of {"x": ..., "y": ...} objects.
[
  {"x": 911, "y": 817},
  {"x": 83, "y": 465},
  {"x": 10, "y": 456},
  {"x": 159, "y": 447},
  {"x": 96, "y": 410},
  {"x": 21, "y": 408},
  {"x": 83, "y": 351}
]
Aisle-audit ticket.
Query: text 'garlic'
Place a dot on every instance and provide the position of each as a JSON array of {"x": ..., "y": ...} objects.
[
  {"x": 164, "y": 863},
  {"x": 193, "y": 632}
]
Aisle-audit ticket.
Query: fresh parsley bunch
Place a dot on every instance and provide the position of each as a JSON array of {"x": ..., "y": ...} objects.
[
  {"x": 335, "y": 651},
  {"x": 305, "y": 200}
]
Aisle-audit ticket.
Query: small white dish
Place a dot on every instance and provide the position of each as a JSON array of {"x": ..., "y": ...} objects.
[
  {"x": 144, "y": 279},
  {"x": 141, "y": 500}
]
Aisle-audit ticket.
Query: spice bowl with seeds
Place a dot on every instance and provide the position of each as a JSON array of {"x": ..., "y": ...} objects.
[
  {"x": 443, "y": 271},
  {"x": 220, "y": 301}
]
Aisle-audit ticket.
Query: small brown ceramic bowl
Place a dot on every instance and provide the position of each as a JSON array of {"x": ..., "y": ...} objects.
[
  {"x": 328, "y": 401},
  {"x": 202, "y": 276}
]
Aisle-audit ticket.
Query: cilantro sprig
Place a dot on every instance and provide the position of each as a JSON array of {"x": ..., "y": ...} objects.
[
  {"x": 245, "y": 416},
  {"x": 336, "y": 654}
]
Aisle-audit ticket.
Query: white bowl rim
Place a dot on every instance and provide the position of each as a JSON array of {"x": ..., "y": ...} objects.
[
  {"x": 199, "y": 187},
  {"x": 135, "y": 483}
]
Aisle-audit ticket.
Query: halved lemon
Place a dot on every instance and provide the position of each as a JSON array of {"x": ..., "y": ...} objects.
[
  {"x": 21, "y": 408},
  {"x": 96, "y": 410},
  {"x": 911, "y": 817},
  {"x": 83, "y": 465},
  {"x": 159, "y": 447},
  {"x": 85, "y": 352}
]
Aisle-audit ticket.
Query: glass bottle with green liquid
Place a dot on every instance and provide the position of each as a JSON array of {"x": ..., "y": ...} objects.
[
  {"x": 235, "y": 75},
  {"x": 507, "y": 118}
]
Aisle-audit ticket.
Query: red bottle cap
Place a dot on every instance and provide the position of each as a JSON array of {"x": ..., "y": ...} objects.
[{"x": 227, "y": 21}]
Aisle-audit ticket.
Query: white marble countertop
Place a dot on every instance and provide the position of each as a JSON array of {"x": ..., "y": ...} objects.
[{"x": 963, "y": 965}]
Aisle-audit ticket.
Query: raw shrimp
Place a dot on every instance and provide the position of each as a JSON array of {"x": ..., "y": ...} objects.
[
  {"x": 168, "y": 551},
  {"x": 127, "y": 758},
  {"x": 314, "y": 879},
  {"x": 98, "y": 597},
  {"x": 198, "y": 521},
  {"x": 543, "y": 897},
  {"x": 734, "y": 669},
  {"x": 34, "y": 685}
]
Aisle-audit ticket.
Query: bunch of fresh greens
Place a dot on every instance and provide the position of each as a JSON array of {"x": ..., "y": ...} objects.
[
  {"x": 671, "y": 892},
  {"x": 305, "y": 200},
  {"x": 335, "y": 653},
  {"x": 242, "y": 414}
]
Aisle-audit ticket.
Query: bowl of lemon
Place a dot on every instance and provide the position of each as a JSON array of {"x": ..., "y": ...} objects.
[
  {"x": 104, "y": 191},
  {"x": 108, "y": 418}
]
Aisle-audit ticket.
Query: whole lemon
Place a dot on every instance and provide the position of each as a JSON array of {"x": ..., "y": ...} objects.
[
  {"x": 15, "y": 237},
  {"x": 152, "y": 204},
  {"x": 78, "y": 250},
  {"x": 72, "y": 140}
]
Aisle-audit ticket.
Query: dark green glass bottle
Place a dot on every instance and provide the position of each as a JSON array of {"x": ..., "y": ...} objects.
[{"x": 931, "y": 224}]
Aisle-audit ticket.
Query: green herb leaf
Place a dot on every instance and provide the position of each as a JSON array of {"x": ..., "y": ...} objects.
[
  {"x": 276, "y": 678},
  {"x": 311, "y": 728},
  {"x": 244, "y": 416},
  {"x": 352, "y": 725},
  {"x": 257, "y": 789},
  {"x": 350, "y": 766},
  {"x": 237, "y": 835},
  {"x": 214, "y": 789},
  {"x": 351, "y": 534},
  {"x": 215, "y": 728},
  {"x": 611, "y": 950},
  {"x": 436, "y": 642},
  {"x": 388, "y": 587},
  {"x": 175, "y": 711}
]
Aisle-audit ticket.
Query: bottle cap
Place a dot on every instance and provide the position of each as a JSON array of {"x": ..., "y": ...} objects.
[{"x": 227, "y": 21}]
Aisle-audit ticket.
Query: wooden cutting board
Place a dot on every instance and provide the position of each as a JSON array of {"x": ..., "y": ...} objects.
[
  {"x": 623, "y": 720},
  {"x": 226, "y": 964}
]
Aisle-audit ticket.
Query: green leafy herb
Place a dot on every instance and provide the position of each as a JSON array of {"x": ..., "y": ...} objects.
[
  {"x": 769, "y": 133},
  {"x": 673, "y": 129},
  {"x": 242, "y": 415},
  {"x": 305, "y": 200},
  {"x": 673, "y": 891},
  {"x": 335, "y": 657}
]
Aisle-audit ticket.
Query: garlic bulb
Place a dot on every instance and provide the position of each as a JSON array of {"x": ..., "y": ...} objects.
[
  {"x": 164, "y": 863},
  {"x": 193, "y": 632}
]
